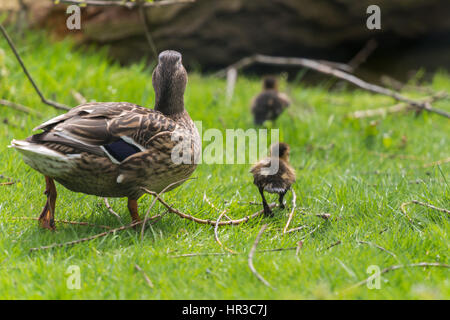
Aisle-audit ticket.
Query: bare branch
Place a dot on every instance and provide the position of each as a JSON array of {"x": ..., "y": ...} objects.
[
  {"x": 327, "y": 69},
  {"x": 79, "y": 223},
  {"x": 362, "y": 55},
  {"x": 70, "y": 243},
  {"x": 127, "y": 4},
  {"x": 146, "y": 23},
  {"x": 403, "y": 207},
  {"x": 378, "y": 247},
  {"x": 250, "y": 257},
  {"x": 154, "y": 201},
  {"x": 396, "y": 267},
  {"x": 54, "y": 104},
  {"x": 110, "y": 209},
  {"x": 216, "y": 235},
  {"x": 291, "y": 214},
  {"x": 147, "y": 279},
  {"x": 398, "y": 108},
  {"x": 208, "y": 221}
]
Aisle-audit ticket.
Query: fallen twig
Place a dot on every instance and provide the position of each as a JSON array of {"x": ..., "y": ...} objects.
[
  {"x": 66, "y": 222},
  {"x": 199, "y": 254},
  {"x": 208, "y": 221},
  {"x": 146, "y": 23},
  {"x": 250, "y": 257},
  {"x": 403, "y": 207},
  {"x": 19, "y": 59},
  {"x": 378, "y": 247},
  {"x": 78, "y": 97},
  {"x": 127, "y": 4},
  {"x": 291, "y": 214},
  {"x": 19, "y": 107},
  {"x": 400, "y": 107},
  {"x": 147, "y": 279},
  {"x": 216, "y": 235},
  {"x": 7, "y": 183},
  {"x": 363, "y": 54},
  {"x": 327, "y": 69},
  {"x": 436, "y": 163},
  {"x": 70, "y": 243},
  {"x": 158, "y": 197},
  {"x": 396, "y": 267},
  {"x": 213, "y": 206},
  {"x": 399, "y": 86},
  {"x": 110, "y": 209},
  {"x": 334, "y": 244}
]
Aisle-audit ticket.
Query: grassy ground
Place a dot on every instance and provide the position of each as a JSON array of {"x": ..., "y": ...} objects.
[{"x": 339, "y": 168}]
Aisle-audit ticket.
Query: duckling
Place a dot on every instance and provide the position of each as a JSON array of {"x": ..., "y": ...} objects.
[
  {"x": 114, "y": 149},
  {"x": 274, "y": 174},
  {"x": 269, "y": 104}
]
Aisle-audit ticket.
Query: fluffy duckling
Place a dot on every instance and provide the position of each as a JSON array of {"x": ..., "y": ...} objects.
[
  {"x": 113, "y": 149},
  {"x": 269, "y": 104},
  {"x": 274, "y": 174}
]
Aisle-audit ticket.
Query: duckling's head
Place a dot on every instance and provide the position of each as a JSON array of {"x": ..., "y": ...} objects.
[
  {"x": 280, "y": 150},
  {"x": 270, "y": 82},
  {"x": 169, "y": 81}
]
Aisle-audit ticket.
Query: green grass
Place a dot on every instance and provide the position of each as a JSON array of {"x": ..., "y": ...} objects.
[{"x": 361, "y": 189}]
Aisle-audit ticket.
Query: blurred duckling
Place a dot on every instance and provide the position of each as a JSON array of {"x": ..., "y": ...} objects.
[
  {"x": 274, "y": 174},
  {"x": 269, "y": 104}
]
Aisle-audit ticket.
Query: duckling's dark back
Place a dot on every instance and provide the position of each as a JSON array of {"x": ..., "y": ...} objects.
[
  {"x": 280, "y": 182},
  {"x": 266, "y": 106}
]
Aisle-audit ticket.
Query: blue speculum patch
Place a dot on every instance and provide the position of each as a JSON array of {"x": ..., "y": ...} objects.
[{"x": 120, "y": 150}]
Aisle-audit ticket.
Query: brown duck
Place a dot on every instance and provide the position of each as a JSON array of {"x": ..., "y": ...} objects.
[
  {"x": 113, "y": 149},
  {"x": 274, "y": 174},
  {"x": 269, "y": 104}
]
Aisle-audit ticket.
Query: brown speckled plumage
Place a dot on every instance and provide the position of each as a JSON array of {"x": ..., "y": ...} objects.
[
  {"x": 274, "y": 174},
  {"x": 269, "y": 104},
  {"x": 83, "y": 149}
]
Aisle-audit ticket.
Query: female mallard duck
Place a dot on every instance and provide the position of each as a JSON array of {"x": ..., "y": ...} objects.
[
  {"x": 274, "y": 174},
  {"x": 269, "y": 104},
  {"x": 113, "y": 149}
]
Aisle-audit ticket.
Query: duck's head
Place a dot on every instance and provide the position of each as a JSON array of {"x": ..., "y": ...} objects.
[
  {"x": 270, "y": 82},
  {"x": 280, "y": 150},
  {"x": 169, "y": 81}
]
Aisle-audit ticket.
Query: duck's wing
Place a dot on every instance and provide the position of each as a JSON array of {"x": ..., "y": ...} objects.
[{"x": 114, "y": 129}]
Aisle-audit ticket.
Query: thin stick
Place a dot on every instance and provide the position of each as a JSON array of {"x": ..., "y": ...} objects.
[
  {"x": 291, "y": 214},
  {"x": 436, "y": 163},
  {"x": 19, "y": 107},
  {"x": 216, "y": 236},
  {"x": 157, "y": 197},
  {"x": 334, "y": 244},
  {"x": 363, "y": 54},
  {"x": 250, "y": 257},
  {"x": 396, "y": 267},
  {"x": 70, "y": 243},
  {"x": 187, "y": 255},
  {"x": 147, "y": 279},
  {"x": 403, "y": 207},
  {"x": 327, "y": 69},
  {"x": 110, "y": 209},
  {"x": 400, "y": 107},
  {"x": 66, "y": 222},
  {"x": 208, "y": 221},
  {"x": 7, "y": 183},
  {"x": 213, "y": 206},
  {"x": 146, "y": 24},
  {"x": 79, "y": 97},
  {"x": 127, "y": 4},
  {"x": 54, "y": 104},
  {"x": 378, "y": 247}
]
